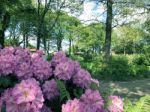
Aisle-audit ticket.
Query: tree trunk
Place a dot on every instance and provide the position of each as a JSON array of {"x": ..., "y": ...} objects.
[
  {"x": 48, "y": 45},
  {"x": 108, "y": 29},
  {"x": 27, "y": 40},
  {"x": 70, "y": 44},
  {"x": 4, "y": 23},
  {"x": 59, "y": 41},
  {"x": 1, "y": 39},
  {"x": 39, "y": 36},
  {"x": 24, "y": 40},
  {"x": 44, "y": 43}
]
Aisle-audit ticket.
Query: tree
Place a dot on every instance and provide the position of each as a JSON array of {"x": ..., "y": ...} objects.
[
  {"x": 119, "y": 8},
  {"x": 89, "y": 39},
  {"x": 127, "y": 39},
  {"x": 108, "y": 28},
  {"x": 54, "y": 6},
  {"x": 12, "y": 15},
  {"x": 4, "y": 19}
]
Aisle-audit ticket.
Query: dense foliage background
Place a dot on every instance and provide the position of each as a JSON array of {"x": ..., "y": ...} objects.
[{"x": 114, "y": 45}]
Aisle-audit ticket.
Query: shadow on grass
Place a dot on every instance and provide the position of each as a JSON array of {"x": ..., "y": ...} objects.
[{"x": 132, "y": 89}]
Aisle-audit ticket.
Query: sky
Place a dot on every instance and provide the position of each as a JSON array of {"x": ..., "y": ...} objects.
[{"x": 91, "y": 12}]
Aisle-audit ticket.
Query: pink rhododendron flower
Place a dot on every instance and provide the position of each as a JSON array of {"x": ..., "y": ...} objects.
[
  {"x": 82, "y": 79},
  {"x": 90, "y": 101},
  {"x": 7, "y": 64},
  {"x": 116, "y": 104},
  {"x": 24, "y": 54},
  {"x": 77, "y": 66},
  {"x": 50, "y": 89},
  {"x": 7, "y": 51},
  {"x": 27, "y": 96},
  {"x": 24, "y": 70},
  {"x": 37, "y": 54},
  {"x": 46, "y": 109},
  {"x": 41, "y": 68},
  {"x": 24, "y": 97},
  {"x": 93, "y": 100},
  {"x": 73, "y": 106},
  {"x": 64, "y": 70},
  {"x": 59, "y": 57}
]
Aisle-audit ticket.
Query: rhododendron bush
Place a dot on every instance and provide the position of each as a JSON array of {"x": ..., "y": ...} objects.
[{"x": 29, "y": 83}]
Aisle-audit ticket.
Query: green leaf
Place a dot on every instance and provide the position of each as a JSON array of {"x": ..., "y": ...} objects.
[
  {"x": 127, "y": 105},
  {"x": 3, "y": 109},
  {"x": 5, "y": 81},
  {"x": 78, "y": 92},
  {"x": 64, "y": 94},
  {"x": 94, "y": 86},
  {"x": 143, "y": 105}
]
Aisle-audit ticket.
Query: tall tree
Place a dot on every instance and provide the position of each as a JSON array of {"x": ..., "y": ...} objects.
[
  {"x": 120, "y": 9},
  {"x": 54, "y": 6},
  {"x": 108, "y": 28},
  {"x": 4, "y": 20}
]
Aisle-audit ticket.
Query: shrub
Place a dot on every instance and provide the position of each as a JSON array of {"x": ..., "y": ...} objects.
[
  {"x": 117, "y": 68},
  {"x": 142, "y": 71},
  {"x": 29, "y": 83},
  {"x": 143, "y": 59}
]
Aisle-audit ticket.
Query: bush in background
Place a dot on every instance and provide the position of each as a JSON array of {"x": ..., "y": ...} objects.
[{"x": 119, "y": 67}]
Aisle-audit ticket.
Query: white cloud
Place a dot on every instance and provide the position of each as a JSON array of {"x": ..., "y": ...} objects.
[{"x": 91, "y": 13}]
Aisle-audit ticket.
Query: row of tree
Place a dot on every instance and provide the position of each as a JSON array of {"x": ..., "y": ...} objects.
[{"x": 49, "y": 23}]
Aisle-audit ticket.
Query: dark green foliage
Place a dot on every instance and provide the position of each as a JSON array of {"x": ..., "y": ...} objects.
[
  {"x": 143, "y": 59},
  {"x": 54, "y": 104},
  {"x": 119, "y": 67},
  {"x": 6, "y": 82},
  {"x": 3, "y": 109},
  {"x": 78, "y": 92},
  {"x": 94, "y": 86},
  {"x": 49, "y": 56},
  {"x": 64, "y": 94},
  {"x": 94, "y": 66},
  {"x": 106, "y": 91}
]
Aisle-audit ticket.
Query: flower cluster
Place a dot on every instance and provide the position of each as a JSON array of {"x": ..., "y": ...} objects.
[
  {"x": 7, "y": 64},
  {"x": 36, "y": 86},
  {"x": 82, "y": 79},
  {"x": 50, "y": 89},
  {"x": 59, "y": 57},
  {"x": 90, "y": 101},
  {"x": 116, "y": 104},
  {"x": 41, "y": 69},
  {"x": 67, "y": 69},
  {"x": 23, "y": 64},
  {"x": 45, "y": 109},
  {"x": 73, "y": 106},
  {"x": 93, "y": 100},
  {"x": 25, "y": 96},
  {"x": 64, "y": 70}
]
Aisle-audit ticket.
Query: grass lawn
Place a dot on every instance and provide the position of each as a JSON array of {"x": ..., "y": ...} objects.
[{"x": 132, "y": 89}]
